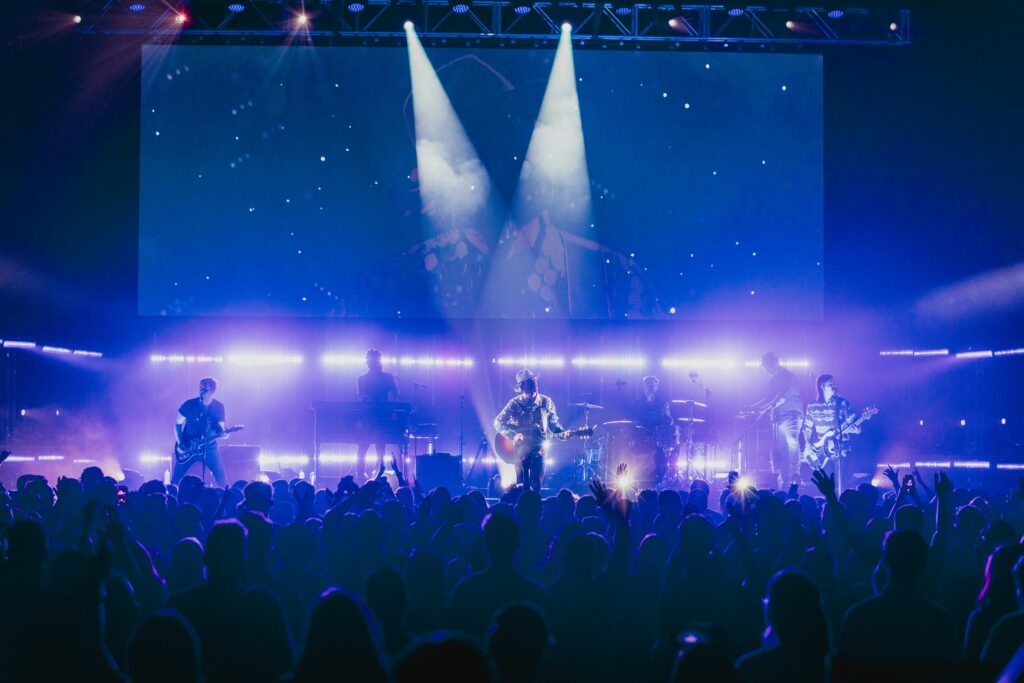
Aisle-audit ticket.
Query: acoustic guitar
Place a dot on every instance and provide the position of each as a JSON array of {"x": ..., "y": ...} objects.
[{"x": 513, "y": 454}]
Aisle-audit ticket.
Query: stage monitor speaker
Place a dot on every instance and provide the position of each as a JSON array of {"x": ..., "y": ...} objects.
[
  {"x": 439, "y": 469},
  {"x": 241, "y": 461}
]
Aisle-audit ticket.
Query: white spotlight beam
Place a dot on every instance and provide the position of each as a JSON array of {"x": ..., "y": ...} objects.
[
  {"x": 554, "y": 174},
  {"x": 454, "y": 185}
]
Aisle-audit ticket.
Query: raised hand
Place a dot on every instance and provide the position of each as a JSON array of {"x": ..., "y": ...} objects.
[
  {"x": 380, "y": 471},
  {"x": 893, "y": 476},
  {"x": 601, "y": 492},
  {"x": 943, "y": 485},
  {"x": 621, "y": 469},
  {"x": 824, "y": 483}
]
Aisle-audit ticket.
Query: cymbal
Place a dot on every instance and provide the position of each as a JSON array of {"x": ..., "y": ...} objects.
[
  {"x": 688, "y": 402},
  {"x": 617, "y": 422},
  {"x": 689, "y": 419},
  {"x": 588, "y": 406}
]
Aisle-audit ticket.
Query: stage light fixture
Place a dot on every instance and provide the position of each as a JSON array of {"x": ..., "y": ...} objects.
[
  {"x": 736, "y": 12},
  {"x": 355, "y": 7},
  {"x": 458, "y": 6},
  {"x": 181, "y": 18},
  {"x": 236, "y": 7},
  {"x": 522, "y": 7},
  {"x": 136, "y": 7},
  {"x": 893, "y": 26},
  {"x": 622, "y": 9},
  {"x": 408, "y": 26},
  {"x": 836, "y": 14},
  {"x": 302, "y": 19},
  {"x": 77, "y": 19}
]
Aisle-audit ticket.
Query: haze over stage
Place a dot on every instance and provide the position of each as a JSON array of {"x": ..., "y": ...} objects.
[{"x": 702, "y": 197}]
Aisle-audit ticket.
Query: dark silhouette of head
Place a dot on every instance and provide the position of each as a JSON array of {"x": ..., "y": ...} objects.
[
  {"x": 794, "y": 612},
  {"x": 163, "y": 649},
  {"x": 518, "y": 642},
  {"x": 999, "y": 588},
  {"x": 905, "y": 554},
  {"x": 908, "y": 518},
  {"x": 259, "y": 497},
  {"x": 226, "y": 553},
  {"x": 340, "y": 635},
  {"x": 443, "y": 657},
  {"x": 501, "y": 538},
  {"x": 186, "y": 570}
]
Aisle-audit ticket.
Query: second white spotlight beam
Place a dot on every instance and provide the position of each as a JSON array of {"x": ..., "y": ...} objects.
[{"x": 555, "y": 169}]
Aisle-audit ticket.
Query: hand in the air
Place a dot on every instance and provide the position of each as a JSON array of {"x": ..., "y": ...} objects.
[
  {"x": 943, "y": 485},
  {"x": 893, "y": 476},
  {"x": 824, "y": 483}
]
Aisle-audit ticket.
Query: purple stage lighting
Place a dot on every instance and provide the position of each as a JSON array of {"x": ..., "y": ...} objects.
[
  {"x": 55, "y": 349},
  {"x": 974, "y": 354},
  {"x": 88, "y": 354},
  {"x": 609, "y": 362},
  {"x": 624, "y": 11},
  {"x": 932, "y": 352},
  {"x": 1010, "y": 352},
  {"x": 136, "y": 7},
  {"x": 698, "y": 363},
  {"x": 521, "y": 8},
  {"x": 356, "y": 7},
  {"x": 531, "y": 361},
  {"x": 11, "y": 344},
  {"x": 259, "y": 360},
  {"x": 182, "y": 358}
]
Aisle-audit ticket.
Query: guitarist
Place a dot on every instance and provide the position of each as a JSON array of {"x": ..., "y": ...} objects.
[
  {"x": 828, "y": 412},
  {"x": 529, "y": 419},
  {"x": 199, "y": 418}
]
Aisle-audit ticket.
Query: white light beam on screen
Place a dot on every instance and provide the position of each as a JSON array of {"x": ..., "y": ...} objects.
[
  {"x": 452, "y": 178},
  {"x": 556, "y": 159},
  {"x": 698, "y": 363},
  {"x": 255, "y": 360}
]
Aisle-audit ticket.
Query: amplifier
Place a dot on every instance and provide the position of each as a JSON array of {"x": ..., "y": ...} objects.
[
  {"x": 241, "y": 461},
  {"x": 439, "y": 469}
]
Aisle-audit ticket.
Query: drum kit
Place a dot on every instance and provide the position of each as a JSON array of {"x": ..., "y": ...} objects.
[{"x": 665, "y": 456}]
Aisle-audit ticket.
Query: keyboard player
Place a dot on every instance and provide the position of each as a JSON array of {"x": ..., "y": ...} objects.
[{"x": 377, "y": 389}]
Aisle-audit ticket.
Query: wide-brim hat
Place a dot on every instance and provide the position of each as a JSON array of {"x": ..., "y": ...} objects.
[{"x": 524, "y": 375}]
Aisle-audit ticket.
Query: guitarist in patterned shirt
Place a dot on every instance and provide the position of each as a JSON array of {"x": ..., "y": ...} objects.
[
  {"x": 529, "y": 419},
  {"x": 823, "y": 418}
]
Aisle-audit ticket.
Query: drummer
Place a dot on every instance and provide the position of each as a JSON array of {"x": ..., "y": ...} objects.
[{"x": 652, "y": 416}]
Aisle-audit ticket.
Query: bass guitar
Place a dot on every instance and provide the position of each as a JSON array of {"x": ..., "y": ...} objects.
[
  {"x": 513, "y": 454},
  {"x": 188, "y": 451},
  {"x": 826, "y": 447}
]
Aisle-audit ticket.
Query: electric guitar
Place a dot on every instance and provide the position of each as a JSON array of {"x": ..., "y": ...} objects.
[
  {"x": 513, "y": 454},
  {"x": 826, "y": 447},
  {"x": 195, "y": 448}
]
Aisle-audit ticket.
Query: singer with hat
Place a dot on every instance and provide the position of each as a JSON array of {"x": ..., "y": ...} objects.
[{"x": 528, "y": 420}]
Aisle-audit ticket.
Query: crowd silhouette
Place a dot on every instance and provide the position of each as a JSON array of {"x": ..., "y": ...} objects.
[{"x": 271, "y": 582}]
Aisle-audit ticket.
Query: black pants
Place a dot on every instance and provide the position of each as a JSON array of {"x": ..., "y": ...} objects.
[{"x": 530, "y": 472}]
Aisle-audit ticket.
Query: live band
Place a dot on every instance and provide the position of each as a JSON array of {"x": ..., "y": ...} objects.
[{"x": 662, "y": 436}]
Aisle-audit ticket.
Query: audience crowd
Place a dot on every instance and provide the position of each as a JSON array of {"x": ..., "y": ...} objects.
[{"x": 386, "y": 582}]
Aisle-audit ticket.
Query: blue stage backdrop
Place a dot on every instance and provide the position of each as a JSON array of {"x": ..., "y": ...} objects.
[{"x": 285, "y": 181}]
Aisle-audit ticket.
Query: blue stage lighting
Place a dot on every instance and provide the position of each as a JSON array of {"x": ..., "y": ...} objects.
[
  {"x": 736, "y": 12},
  {"x": 836, "y": 14},
  {"x": 136, "y": 7},
  {"x": 356, "y": 7},
  {"x": 236, "y": 7},
  {"x": 460, "y": 8}
]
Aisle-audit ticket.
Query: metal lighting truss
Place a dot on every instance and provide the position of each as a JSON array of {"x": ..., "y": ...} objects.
[{"x": 609, "y": 23}]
